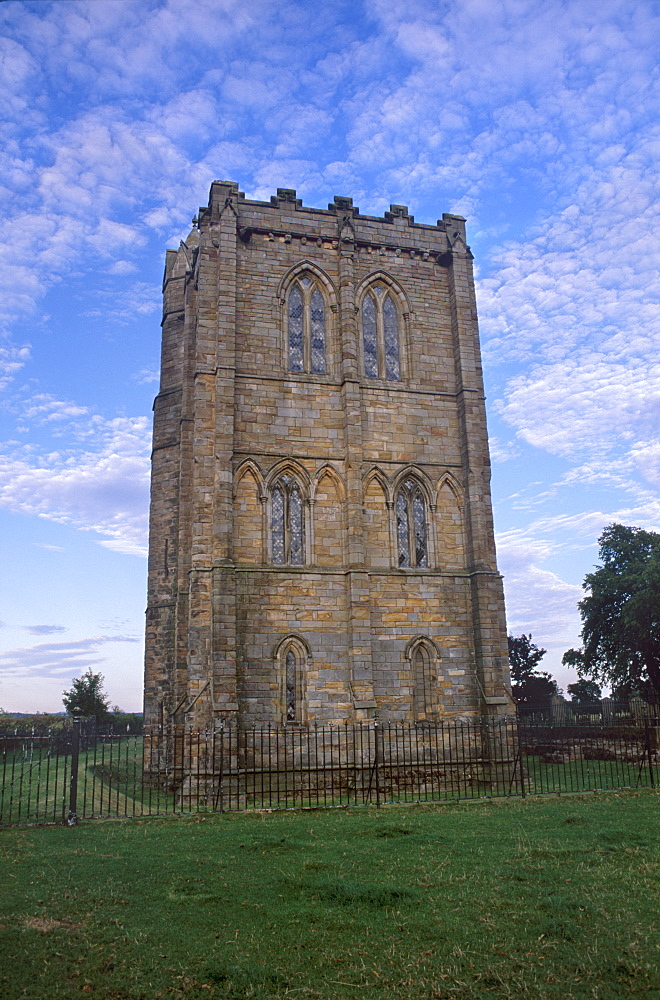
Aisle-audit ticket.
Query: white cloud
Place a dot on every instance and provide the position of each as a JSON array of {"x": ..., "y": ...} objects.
[
  {"x": 647, "y": 461},
  {"x": 538, "y": 601},
  {"x": 122, "y": 267},
  {"x": 126, "y": 303},
  {"x": 12, "y": 359},
  {"x": 17, "y": 70},
  {"x": 44, "y": 629},
  {"x": 502, "y": 451},
  {"x": 591, "y": 404},
  {"x": 55, "y": 658},
  {"x": 101, "y": 485},
  {"x": 147, "y": 376},
  {"x": 43, "y": 408}
]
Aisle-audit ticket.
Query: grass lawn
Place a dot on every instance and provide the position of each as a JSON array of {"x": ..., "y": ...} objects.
[{"x": 544, "y": 898}]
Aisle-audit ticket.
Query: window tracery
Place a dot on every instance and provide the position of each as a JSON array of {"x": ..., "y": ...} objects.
[
  {"x": 306, "y": 325},
  {"x": 287, "y": 522},
  {"x": 411, "y": 525},
  {"x": 380, "y": 335}
]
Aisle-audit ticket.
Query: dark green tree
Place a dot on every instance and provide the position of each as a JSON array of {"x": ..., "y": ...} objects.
[
  {"x": 529, "y": 686},
  {"x": 584, "y": 692},
  {"x": 88, "y": 696},
  {"x": 621, "y": 614}
]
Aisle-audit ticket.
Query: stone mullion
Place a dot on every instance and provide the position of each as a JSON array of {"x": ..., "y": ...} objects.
[
  {"x": 486, "y": 592},
  {"x": 307, "y": 327},
  {"x": 286, "y": 526},
  {"x": 380, "y": 336},
  {"x": 394, "y": 537},
  {"x": 432, "y": 537},
  {"x": 308, "y": 532},
  {"x": 359, "y": 596},
  {"x": 410, "y": 522},
  {"x": 266, "y": 556}
]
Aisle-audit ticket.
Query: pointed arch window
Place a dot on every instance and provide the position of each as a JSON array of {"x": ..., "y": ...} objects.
[
  {"x": 306, "y": 325},
  {"x": 291, "y": 706},
  {"x": 287, "y": 522},
  {"x": 425, "y": 681},
  {"x": 380, "y": 335},
  {"x": 292, "y": 662},
  {"x": 411, "y": 525}
]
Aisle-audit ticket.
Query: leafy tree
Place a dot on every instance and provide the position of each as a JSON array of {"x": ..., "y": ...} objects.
[
  {"x": 621, "y": 614},
  {"x": 584, "y": 692},
  {"x": 529, "y": 686},
  {"x": 87, "y": 694}
]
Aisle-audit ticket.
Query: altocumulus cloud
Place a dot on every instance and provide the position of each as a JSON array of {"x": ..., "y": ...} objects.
[
  {"x": 102, "y": 485},
  {"x": 535, "y": 120}
]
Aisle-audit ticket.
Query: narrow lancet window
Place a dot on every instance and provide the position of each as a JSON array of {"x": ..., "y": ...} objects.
[
  {"x": 277, "y": 525},
  {"x": 403, "y": 529},
  {"x": 296, "y": 340},
  {"x": 317, "y": 332},
  {"x": 295, "y": 526},
  {"x": 287, "y": 523},
  {"x": 370, "y": 337},
  {"x": 380, "y": 335},
  {"x": 290, "y": 686},
  {"x": 424, "y": 683},
  {"x": 391, "y": 339},
  {"x": 306, "y": 328},
  {"x": 411, "y": 525}
]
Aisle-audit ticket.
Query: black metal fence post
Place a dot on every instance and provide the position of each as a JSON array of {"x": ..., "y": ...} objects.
[
  {"x": 519, "y": 756},
  {"x": 72, "y": 818},
  {"x": 647, "y": 734},
  {"x": 376, "y": 774}
]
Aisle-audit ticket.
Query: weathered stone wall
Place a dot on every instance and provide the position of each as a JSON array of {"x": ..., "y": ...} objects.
[{"x": 239, "y": 625}]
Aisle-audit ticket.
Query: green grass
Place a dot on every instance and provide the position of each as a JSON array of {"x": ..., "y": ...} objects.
[{"x": 543, "y": 898}]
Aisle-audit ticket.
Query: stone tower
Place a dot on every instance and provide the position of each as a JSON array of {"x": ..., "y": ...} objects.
[{"x": 321, "y": 541}]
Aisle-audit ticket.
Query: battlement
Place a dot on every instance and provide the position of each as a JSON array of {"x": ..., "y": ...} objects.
[{"x": 286, "y": 210}]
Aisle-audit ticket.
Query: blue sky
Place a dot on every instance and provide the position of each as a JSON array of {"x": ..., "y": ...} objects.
[{"x": 536, "y": 119}]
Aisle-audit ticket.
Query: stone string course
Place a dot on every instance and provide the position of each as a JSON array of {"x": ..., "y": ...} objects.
[{"x": 230, "y": 419}]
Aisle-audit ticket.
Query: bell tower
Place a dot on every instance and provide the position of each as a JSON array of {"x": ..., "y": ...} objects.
[{"x": 321, "y": 539}]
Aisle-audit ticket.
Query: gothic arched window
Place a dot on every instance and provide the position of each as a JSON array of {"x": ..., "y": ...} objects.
[
  {"x": 287, "y": 522},
  {"x": 380, "y": 334},
  {"x": 425, "y": 681},
  {"x": 411, "y": 525},
  {"x": 291, "y": 706},
  {"x": 306, "y": 327},
  {"x": 292, "y": 660}
]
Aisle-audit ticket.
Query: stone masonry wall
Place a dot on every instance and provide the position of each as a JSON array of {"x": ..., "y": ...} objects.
[{"x": 324, "y": 623}]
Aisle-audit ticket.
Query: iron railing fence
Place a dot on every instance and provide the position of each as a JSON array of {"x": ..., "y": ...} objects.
[
  {"x": 83, "y": 776},
  {"x": 606, "y": 712}
]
